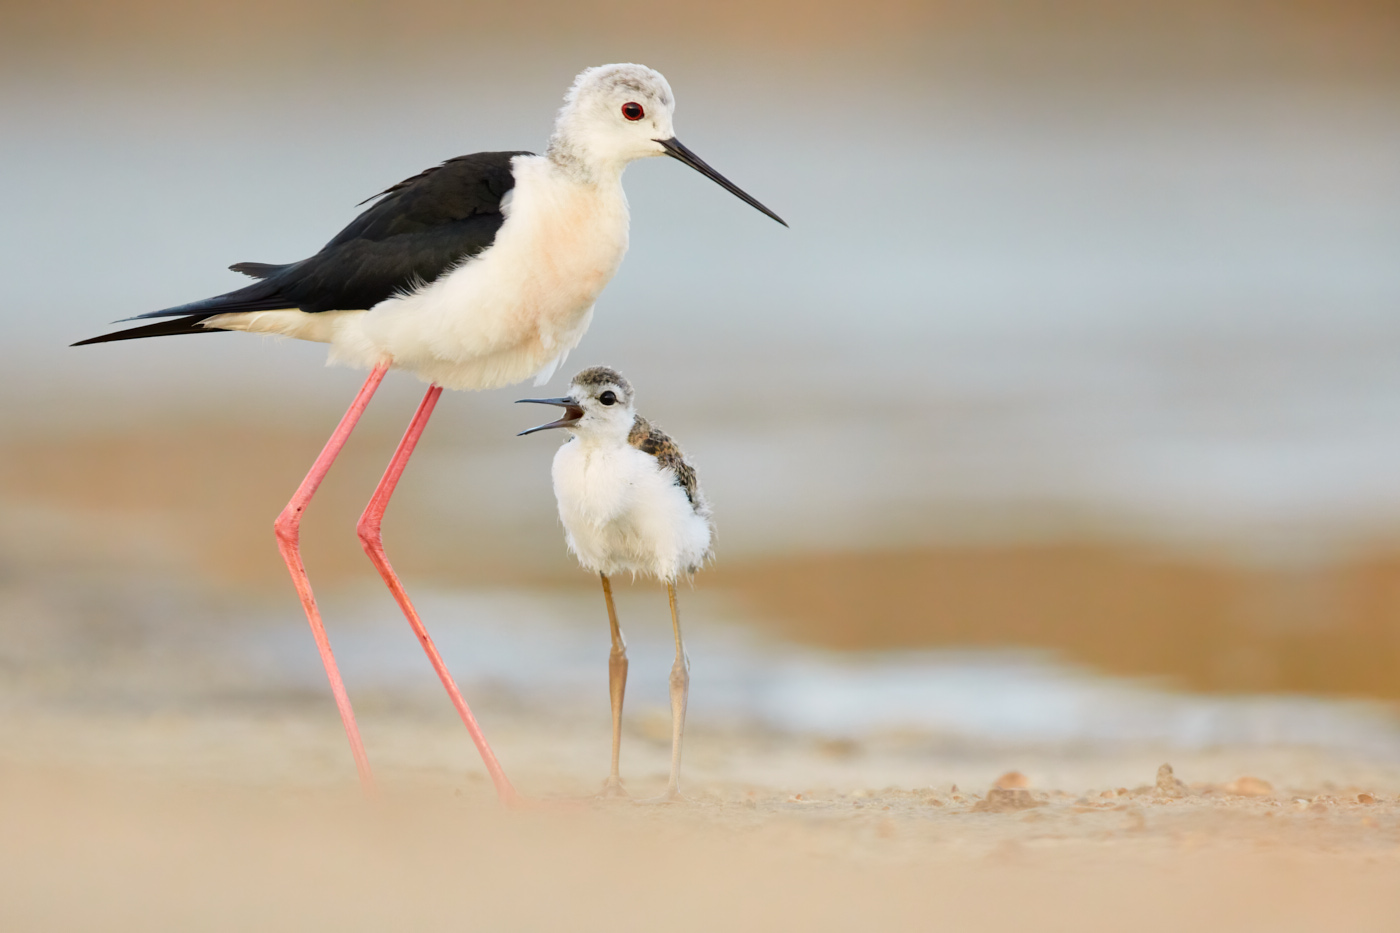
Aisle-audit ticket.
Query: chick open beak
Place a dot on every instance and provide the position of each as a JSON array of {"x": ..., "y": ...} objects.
[{"x": 572, "y": 413}]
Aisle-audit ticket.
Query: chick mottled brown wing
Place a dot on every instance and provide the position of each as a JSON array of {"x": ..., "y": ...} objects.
[{"x": 652, "y": 440}]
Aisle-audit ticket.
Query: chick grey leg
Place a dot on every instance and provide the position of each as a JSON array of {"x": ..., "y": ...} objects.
[
  {"x": 680, "y": 693},
  {"x": 617, "y": 688}
]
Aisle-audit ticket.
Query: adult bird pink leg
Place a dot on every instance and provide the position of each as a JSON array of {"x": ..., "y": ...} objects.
[
  {"x": 372, "y": 539},
  {"x": 288, "y": 528}
]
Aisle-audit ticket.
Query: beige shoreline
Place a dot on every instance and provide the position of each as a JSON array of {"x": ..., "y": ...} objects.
[{"x": 211, "y": 821}]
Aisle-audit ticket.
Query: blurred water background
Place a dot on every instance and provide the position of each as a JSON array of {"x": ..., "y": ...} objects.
[{"x": 1065, "y": 410}]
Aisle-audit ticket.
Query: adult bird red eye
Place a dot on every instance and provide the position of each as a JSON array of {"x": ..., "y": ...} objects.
[
  {"x": 607, "y": 398},
  {"x": 633, "y": 111}
]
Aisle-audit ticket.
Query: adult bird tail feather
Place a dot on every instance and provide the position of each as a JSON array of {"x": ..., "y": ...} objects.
[
  {"x": 190, "y": 324},
  {"x": 260, "y": 296}
]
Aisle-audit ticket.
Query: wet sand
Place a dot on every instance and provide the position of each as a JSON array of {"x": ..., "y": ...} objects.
[
  {"x": 1206, "y": 621},
  {"x": 218, "y": 821}
]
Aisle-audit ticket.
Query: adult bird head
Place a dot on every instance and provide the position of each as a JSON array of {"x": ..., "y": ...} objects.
[
  {"x": 599, "y": 403},
  {"x": 615, "y": 114}
]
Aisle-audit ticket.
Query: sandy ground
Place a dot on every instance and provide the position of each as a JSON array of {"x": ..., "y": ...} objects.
[
  {"x": 216, "y": 821},
  {"x": 149, "y": 783}
]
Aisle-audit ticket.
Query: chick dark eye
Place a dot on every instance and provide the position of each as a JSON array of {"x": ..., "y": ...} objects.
[
  {"x": 607, "y": 398},
  {"x": 633, "y": 111}
]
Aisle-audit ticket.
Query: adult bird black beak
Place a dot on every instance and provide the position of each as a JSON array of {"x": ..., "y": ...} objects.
[
  {"x": 677, "y": 150},
  {"x": 572, "y": 413}
]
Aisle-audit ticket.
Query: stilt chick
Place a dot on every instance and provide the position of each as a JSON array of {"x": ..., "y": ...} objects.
[{"x": 629, "y": 502}]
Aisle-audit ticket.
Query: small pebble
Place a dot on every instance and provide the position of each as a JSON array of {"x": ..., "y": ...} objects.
[
  {"x": 1168, "y": 785},
  {"x": 1000, "y": 800},
  {"x": 1249, "y": 787},
  {"x": 1365, "y": 798},
  {"x": 1012, "y": 780}
]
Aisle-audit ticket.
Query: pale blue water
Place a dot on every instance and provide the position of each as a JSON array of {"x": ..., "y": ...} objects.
[{"x": 540, "y": 652}]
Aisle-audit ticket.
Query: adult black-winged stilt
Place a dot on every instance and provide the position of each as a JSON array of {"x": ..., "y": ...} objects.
[
  {"x": 474, "y": 274},
  {"x": 629, "y": 502}
]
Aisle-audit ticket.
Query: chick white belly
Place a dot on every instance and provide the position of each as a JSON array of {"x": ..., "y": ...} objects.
[
  {"x": 623, "y": 513},
  {"x": 513, "y": 311}
]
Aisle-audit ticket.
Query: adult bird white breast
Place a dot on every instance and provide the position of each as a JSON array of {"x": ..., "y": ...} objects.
[
  {"x": 476, "y": 273},
  {"x": 629, "y": 502}
]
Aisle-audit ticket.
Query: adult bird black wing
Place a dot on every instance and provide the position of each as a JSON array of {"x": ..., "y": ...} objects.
[{"x": 416, "y": 231}]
